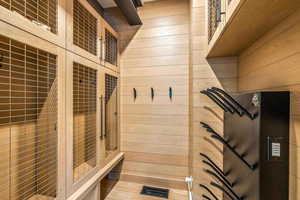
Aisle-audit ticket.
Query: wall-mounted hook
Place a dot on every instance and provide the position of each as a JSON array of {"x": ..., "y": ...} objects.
[
  {"x": 218, "y": 137},
  {"x": 217, "y": 101},
  {"x": 209, "y": 191},
  {"x": 223, "y": 190},
  {"x": 216, "y": 172},
  {"x": 134, "y": 94},
  {"x": 170, "y": 93},
  {"x": 206, "y": 197},
  {"x": 214, "y": 164},
  {"x": 152, "y": 94},
  {"x": 239, "y": 106},
  {"x": 1, "y": 59},
  {"x": 222, "y": 179}
]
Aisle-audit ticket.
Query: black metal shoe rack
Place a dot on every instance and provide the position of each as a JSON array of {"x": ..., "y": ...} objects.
[{"x": 255, "y": 146}]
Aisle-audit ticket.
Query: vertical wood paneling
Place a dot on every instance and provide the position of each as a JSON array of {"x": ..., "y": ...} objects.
[{"x": 218, "y": 72}]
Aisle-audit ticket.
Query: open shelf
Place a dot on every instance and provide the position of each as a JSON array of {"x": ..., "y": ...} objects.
[{"x": 247, "y": 21}]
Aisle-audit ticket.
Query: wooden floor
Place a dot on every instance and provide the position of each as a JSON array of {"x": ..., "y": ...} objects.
[{"x": 131, "y": 191}]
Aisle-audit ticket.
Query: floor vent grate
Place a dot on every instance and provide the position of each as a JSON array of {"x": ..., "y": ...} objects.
[{"x": 156, "y": 192}]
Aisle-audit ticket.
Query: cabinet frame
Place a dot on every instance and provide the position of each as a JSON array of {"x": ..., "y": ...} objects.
[
  {"x": 27, "y": 38},
  {"x": 25, "y": 24}
]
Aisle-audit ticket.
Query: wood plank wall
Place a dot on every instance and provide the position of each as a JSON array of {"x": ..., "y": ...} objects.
[
  {"x": 272, "y": 63},
  {"x": 154, "y": 134},
  {"x": 218, "y": 72}
]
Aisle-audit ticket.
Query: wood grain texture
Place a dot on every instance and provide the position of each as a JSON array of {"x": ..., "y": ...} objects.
[
  {"x": 154, "y": 133},
  {"x": 272, "y": 64},
  {"x": 205, "y": 73}
]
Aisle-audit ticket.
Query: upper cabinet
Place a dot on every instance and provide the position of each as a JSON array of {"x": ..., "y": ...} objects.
[
  {"x": 233, "y": 25},
  {"x": 45, "y": 19},
  {"x": 111, "y": 47},
  {"x": 90, "y": 36}
]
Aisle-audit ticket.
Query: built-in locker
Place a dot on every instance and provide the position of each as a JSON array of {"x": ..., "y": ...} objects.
[{"x": 31, "y": 116}]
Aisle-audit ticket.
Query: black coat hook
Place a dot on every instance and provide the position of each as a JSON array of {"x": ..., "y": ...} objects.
[
  {"x": 134, "y": 94},
  {"x": 209, "y": 191},
  {"x": 223, "y": 190},
  {"x": 216, "y": 136},
  {"x": 170, "y": 93},
  {"x": 243, "y": 110},
  {"x": 217, "y": 101},
  {"x": 234, "y": 109},
  {"x": 218, "y": 173},
  {"x": 214, "y": 164},
  {"x": 206, "y": 197},
  {"x": 152, "y": 93},
  {"x": 222, "y": 179}
]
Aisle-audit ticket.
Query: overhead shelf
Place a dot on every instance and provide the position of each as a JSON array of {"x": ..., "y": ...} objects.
[{"x": 247, "y": 21}]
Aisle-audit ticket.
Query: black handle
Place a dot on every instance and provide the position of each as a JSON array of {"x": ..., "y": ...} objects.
[
  {"x": 170, "y": 93},
  {"x": 243, "y": 110},
  {"x": 101, "y": 49},
  {"x": 134, "y": 94},
  {"x": 209, "y": 191},
  {"x": 101, "y": 115},
  {"x": 214, "y": 164},
  {"x": 152, "y": 93},
  {"x": 216, "y": 136},
  {"x": 226, "y": 102},
  {"x": 216, "y": 100},
  {"x": 217, "y": 173},
  {"x": 1, "y": 59},
  {"x": 223, "y": 190}
]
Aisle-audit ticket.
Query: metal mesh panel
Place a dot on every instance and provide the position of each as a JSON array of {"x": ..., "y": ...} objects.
[
  {"x": 84, "y": 116},
  {"x": 28, "y": 117},
  {"x": 212, "y": 17},
  {"x": 110, "y": 86},
  {"x": 44, "y": 12},
  {"x": 111, "y": 108},
  {"x": 84, "y": 28},
  {"x": 111, "y": 48}
]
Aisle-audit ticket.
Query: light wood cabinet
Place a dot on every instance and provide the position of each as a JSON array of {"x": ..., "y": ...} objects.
[{"x": 79, "y": 158}]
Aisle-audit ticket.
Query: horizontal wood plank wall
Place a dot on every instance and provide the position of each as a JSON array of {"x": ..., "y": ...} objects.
[
  {"x": 272, "y": 63},
  {"x": 218, "y": 72},
  {"x": 154, "y": 134}
]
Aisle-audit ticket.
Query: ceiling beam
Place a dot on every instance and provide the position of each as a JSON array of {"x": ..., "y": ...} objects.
[
  {"x": 138, "y": 3},
  {"x": 96, "y": 5},
  {"x": 129, "y": 10}
]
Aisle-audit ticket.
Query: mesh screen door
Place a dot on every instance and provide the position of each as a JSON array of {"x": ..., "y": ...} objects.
[
  {"x": 44, "y": 12},
  {"x": 84, "y": 119},
  {"x": 111, "y": 122},
  {"x": 111, "y": 48},
  {"x": 28, "y": 117},
  {"x": 84, "y": 28}
]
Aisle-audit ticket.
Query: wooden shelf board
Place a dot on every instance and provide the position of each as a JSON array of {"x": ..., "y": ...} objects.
[{"x": 247, "y": 23}]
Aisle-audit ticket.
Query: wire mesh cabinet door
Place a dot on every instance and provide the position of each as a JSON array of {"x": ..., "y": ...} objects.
[
  {"x": 83, "y": 127},
  {"x": 31, "y": 116}
]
